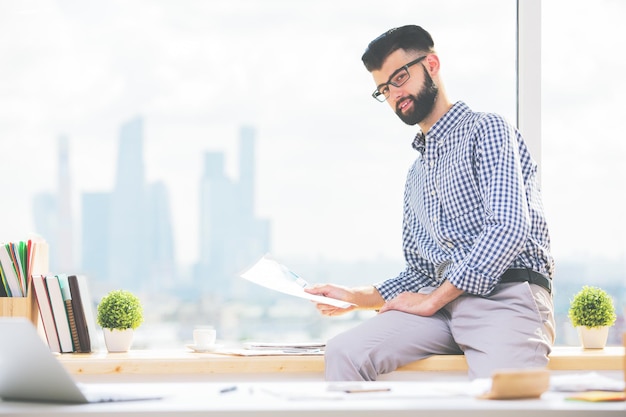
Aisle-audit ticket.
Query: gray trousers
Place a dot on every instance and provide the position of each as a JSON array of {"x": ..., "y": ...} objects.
[{"x": 513, "y": 327}]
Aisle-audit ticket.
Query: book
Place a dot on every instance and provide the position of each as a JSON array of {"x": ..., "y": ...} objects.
[
  {"x": 60, "y": 314},
  {"x": 21, "y": 254},
  {"x": 72, "y": 321},
  {"x": 89, "y": 308},
  {"x": 67, "y": 301},
  {"x": 10, "y": 274},
  {"x": 80, "y": 315},
  {"x": 45, "y": 311},
  {"x": 3, "y": 285},
  {"x": 14, "y": 252},
  {"x": 598, "y": 396},
  {"x": 37, "y": 257}
]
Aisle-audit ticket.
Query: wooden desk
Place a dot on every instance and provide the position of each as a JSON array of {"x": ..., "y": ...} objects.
[
  {"x": 311, "y": 399},
  {"x": 184, "y": 362}
]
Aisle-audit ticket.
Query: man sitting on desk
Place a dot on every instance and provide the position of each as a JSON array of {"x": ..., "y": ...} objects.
[{"x": 476, "y": 244}]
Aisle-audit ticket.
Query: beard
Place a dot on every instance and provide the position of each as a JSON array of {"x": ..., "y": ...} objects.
[{"x": 423, "y": 103}]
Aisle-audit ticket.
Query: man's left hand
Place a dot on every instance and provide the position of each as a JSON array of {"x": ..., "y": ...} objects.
[
  {"x": 423, "y": 304},
  {"x": 412, "y": 303}
]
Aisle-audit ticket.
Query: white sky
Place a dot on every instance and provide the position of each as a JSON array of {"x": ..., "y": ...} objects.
[{"x": 331, "y": 161}]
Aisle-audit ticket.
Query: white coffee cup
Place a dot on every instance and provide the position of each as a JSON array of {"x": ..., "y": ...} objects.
[{"x": 204, "y": 336}]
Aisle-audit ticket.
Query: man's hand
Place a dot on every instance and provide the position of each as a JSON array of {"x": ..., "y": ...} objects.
[
  {"x": 332, "y": 291},
  {"x": 410, "y": 302},
  {"x": 362, "y": 298},
  {"x": 423, "y": 304}
]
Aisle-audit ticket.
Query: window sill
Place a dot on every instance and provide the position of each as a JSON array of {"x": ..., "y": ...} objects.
[{"x": 181, "y": 362}]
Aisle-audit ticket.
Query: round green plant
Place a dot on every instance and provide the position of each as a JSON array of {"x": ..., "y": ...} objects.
[
  {"x": 592, "y": 307},
  {"x": 120, "y": 309}
]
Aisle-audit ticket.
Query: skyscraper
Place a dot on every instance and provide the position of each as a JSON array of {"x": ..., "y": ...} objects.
[
  {"x": 53, "y": 214},
  {"x": 160, "y": 242},
  {"x": 65, "y": 234},
  {"x": 127, "y": 237},
  {"x": 231, "y": 237},
  {"x": 128, "y": 227},
  {"x": 96, "y": 213}
]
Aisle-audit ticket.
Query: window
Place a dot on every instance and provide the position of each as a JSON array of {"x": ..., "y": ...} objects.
[
  {"x": 584, "y": 176},
  {"x": 203, "y": 125}
]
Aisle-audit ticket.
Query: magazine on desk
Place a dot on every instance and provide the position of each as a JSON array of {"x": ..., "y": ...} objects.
[{"x": 269, "y": 273}]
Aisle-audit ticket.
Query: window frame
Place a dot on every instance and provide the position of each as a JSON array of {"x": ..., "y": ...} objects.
[{"x": 529, "y": 75}]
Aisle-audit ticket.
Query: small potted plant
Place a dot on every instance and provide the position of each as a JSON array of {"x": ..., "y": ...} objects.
[
  {"x": 592, "y": 313},
  {"x": 119, "y": 314}
]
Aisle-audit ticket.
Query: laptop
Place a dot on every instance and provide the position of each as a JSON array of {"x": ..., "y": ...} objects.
[{"x": 30, "y": 372}]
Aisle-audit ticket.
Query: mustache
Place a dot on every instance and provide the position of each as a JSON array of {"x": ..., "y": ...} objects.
[{"x": 403, "y": 99}]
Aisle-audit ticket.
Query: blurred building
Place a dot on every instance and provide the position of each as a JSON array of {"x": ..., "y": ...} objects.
[
  {"x": 53, "y": 214},
  {"x": 231, "y": 236},
  {"x": 127, "y": 233}
]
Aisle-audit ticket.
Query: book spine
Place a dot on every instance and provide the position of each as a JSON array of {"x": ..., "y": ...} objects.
[
  {"x": 84, "y": 341},
  {"x": 9, "y": 271},
  {"x": 88, "y": 310},
  {"x": 60, "y": 314},
  {"x": 3, "y": 285},
  {"x": 45, "y": 311},
  {"x": 72, "y": 322}
]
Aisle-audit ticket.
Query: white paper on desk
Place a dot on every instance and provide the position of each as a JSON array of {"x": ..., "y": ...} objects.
[
  {"x": 590, "y": 381},
  {"x": 269, "y": 352},
  {"x": 271, "y": 274},
  {"x": 370, "y": 390},
  {"x": 284, "y": 345}
]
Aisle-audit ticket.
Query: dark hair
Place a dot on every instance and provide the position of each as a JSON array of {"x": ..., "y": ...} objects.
[{"x": 409, "y": 38}]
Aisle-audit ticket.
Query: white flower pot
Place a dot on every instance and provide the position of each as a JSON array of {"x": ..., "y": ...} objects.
[
  {"x": 593, "y": 337},
  {"x": 118, "y": 340}
]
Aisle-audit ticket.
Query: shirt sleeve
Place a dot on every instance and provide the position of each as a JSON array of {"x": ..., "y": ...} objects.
[
  {"x": 506, "y": 225},
  {"x": 407, "y": 281}
]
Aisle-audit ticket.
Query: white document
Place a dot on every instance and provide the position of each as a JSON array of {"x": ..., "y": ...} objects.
[{"x": 271, "y": 274}]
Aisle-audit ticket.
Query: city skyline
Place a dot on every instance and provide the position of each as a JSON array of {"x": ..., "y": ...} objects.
[
  {"x": 332, "y": 161},
  {"x": 126, "y": 232}
]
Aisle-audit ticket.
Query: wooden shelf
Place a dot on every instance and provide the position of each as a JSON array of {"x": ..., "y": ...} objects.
[{"x": 181, "y": 362}]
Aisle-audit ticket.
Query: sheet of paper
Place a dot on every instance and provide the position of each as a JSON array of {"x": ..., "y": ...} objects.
[
  {"x": 273, "y": 275},
  {"x": 284, "y": 345},
  {"x": 589, "y": 381},
  {"x": 269, "y": 352}
]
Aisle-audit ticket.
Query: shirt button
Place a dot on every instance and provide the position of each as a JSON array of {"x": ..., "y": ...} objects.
[
  {"x": 433, "y": 193},
  {"x": 432, "y": 164},
  {"x": 450, "y": 244},
  {"x": 434, "y": 219}
]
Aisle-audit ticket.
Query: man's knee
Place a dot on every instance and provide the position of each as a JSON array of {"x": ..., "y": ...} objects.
[
  {"x": 339, "y": 350},
  {"x": 346, "y": 360}
]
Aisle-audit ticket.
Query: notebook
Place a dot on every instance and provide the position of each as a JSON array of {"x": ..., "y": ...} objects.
[{"x": 30, "y": 372}]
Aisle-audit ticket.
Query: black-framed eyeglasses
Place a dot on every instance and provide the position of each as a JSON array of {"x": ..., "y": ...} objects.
[{"x": 399, "y": 77}]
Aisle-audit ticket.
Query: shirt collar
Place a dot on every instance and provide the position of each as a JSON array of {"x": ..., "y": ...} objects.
[{"x": 442, "y": 126}]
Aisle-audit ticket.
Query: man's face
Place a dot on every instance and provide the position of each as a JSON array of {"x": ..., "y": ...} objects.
[{"x": 414, "y": 100}]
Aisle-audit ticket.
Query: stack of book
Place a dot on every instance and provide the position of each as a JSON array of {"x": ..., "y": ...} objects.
[
  {"x": 18, "y": 262},
  {"x": 66, "y": 312},
  {"x": 62, "y": 302}
]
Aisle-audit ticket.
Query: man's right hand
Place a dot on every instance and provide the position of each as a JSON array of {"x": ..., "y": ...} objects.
[
  {"x": 332, "y": 291},
  {"x": 362, "y": 298}
]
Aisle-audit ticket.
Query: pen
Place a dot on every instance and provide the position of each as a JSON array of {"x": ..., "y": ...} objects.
[
  {"x": 355, "y": 390},
  {"x": 228, "y": 389}
]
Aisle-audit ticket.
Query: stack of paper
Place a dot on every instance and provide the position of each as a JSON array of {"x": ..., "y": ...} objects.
[{"x": 303, "y": 347}]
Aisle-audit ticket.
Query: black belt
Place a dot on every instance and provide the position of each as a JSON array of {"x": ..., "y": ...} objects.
[{"x": 527, "y": 275}]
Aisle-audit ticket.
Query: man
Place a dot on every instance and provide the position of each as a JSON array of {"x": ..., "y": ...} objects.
[{"x": 475, "y": 240}]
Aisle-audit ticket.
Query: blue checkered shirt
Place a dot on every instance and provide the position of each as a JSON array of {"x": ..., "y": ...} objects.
[{"x": 472, "y": 207}]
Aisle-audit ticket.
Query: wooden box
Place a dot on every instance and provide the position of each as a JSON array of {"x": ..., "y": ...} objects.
[{"x": 20, "y": 307}]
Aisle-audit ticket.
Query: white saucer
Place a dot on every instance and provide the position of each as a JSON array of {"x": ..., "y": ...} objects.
[{"x": 203, "y": 349}]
